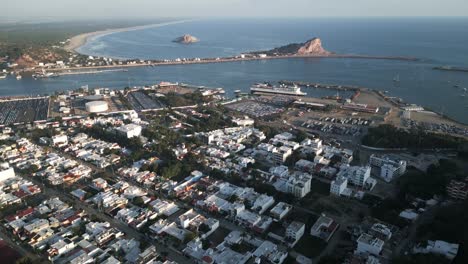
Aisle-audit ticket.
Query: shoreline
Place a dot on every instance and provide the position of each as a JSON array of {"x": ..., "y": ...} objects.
[{"x": 78, "y": 41}]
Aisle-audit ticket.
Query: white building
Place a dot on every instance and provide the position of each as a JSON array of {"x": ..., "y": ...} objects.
[
  {"x": 367, "y": 244},
  {"x": 130, "y": 130},
  {"x": 355, "y": 174},
  {"x": 389, "y": 168},
  {"x": 58, "y": 140},
  {"x": 280, "y": 210},
  {"x": 262, "y": 203},
  {"x": 338, "y": 186},
  {"x": 281, "y": 154},
  {"x": 246, "y": 121},
  {"x": 298, "y": 184},
  {"x": 6, "y": 172},
  {"x": 440, "y": 247},
  {"x": 294, "y": 232}
]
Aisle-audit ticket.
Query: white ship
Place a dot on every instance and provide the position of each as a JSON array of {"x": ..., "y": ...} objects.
[
  {"x": 2, "y": 76},
  {"x": 282, "y": 89}
]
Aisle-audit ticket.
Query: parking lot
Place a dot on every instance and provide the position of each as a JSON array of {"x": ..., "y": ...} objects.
[
  {"x": 23, "y": 110},
  {"x": 435, "y": 127},
  {"x": 255, "y": 109},
  {"x": 338, "y": 129}
]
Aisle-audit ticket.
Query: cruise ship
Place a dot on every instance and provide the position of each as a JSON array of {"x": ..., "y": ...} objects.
[{"x": 281, "y": 89}]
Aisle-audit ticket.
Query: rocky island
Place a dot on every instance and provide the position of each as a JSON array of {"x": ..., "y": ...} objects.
[
  {"x": 186, "y": 39},
  {"x": 312, "y": 47}
]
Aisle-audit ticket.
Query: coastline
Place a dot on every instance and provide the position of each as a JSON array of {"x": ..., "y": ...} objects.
[{"x": 77, "y": 41}]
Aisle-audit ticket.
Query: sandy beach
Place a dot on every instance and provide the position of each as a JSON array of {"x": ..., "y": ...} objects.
[{"x": 79, "y": 40}]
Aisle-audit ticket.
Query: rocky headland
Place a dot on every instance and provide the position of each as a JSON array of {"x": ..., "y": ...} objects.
[
  {"x": 186, "y": 39},
  {"x": 312, "y": 47}
]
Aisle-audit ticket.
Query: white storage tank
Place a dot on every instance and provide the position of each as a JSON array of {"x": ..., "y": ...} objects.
[{"x": 96, "y": 106}]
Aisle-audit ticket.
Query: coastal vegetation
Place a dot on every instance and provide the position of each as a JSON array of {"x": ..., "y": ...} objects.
[
  {"x": 388, "y": 136},
  {"x": 449, "y": 224},
  {"x": 175, "y": 99},
  {"x": 29, "y": 43},
  {"x": 425, "y": 185}
]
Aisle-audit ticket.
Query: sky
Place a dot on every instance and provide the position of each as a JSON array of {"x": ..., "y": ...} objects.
[{"x": 84, "y": 9}]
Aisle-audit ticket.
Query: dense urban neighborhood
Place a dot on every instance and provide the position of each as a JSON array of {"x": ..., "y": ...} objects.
[{"x": 179, "y": 174}]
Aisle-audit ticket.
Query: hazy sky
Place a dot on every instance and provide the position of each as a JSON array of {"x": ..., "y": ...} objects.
[{"x": 73, "y": 9}]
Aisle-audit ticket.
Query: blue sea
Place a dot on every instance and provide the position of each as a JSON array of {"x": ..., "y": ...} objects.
[{"x": 435, "y": 41}]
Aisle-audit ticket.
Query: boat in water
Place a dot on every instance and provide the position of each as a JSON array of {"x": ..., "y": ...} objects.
[
  {"x": 44, "y": 74},
  {"x": 450, "y": 68},
  {"x": 281, "y": 89},
  {"x": 19, "y": 77},
  {"x": 2, "y": 76}
]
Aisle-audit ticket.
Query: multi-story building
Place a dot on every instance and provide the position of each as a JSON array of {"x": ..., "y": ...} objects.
[
  {"x": 294, "y": 232},
  {"x": 458, "y": 189},
  {"x": 281, "y": 154},
  {"x": 298, "y": 184},
  {"x": 367, "y": 244},
  {"x": 389, "y": 168},
  {"x": 130, "y": 130},
  {"x": 338, "y": 186},
  {"x": 355, "y": 174}
]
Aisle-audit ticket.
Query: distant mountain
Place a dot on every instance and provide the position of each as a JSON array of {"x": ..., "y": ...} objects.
[
  {"x": 312, "y": 47},
  {"x": 186, "y": 39}
]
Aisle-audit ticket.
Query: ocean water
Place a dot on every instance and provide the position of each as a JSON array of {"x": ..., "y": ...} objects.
[{"x": 435, "y": 41}]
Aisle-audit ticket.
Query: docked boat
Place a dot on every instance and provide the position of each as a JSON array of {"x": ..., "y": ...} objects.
[
  {"x": 19, "y": 77},
  {"x": 281, "y": 89},
  {"x": 2, "y": 76}
]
